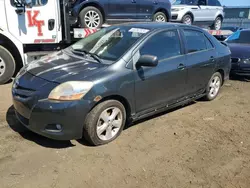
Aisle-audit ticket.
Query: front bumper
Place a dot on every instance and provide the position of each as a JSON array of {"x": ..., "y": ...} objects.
[
  {"x": 240, "y": 69},
  {"x": 43, "y": 116}
]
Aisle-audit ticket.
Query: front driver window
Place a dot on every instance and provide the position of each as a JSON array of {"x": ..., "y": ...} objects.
[{"x": 164, "y": 45}]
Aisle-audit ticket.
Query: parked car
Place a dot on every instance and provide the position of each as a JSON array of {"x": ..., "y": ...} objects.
[
  {"x": 239, "y": 44},
  {"x": 119, "y": 74},
  {"x": 94, "y": 13},
  {"x": 201, "y": 12}
]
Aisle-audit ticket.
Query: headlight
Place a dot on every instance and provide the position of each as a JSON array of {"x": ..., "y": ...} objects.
[
  {"x": 246, "y": 61},
  {"x": 72, "y": 90},
  {"x": 177, "y": 9}
]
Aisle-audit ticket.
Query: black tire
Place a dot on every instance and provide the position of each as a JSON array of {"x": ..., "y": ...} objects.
[
  {"x": 161, "y": 14},
  {"x": 185, "y": 17},
  {"x": 8, "y": 67},
  {"x": 85, "y": 11},
  {"x": 213, "y": 27},
  {"x": 90, "y": 126},
  {"x": 208, "y": 96}
]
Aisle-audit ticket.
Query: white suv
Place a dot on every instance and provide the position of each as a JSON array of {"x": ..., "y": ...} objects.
[{"x": 204, "y": 12}]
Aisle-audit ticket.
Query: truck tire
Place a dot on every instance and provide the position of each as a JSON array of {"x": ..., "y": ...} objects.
[
  {"x": 91, "y": 17},
  {"x": 160, "y": 17},
  {"x": 7, "y": 65}
]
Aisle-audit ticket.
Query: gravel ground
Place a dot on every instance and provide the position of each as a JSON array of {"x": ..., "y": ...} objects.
[{"x": 203, "y": 145}]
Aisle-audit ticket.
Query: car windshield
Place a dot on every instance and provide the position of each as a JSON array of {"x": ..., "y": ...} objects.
[
  {"x": 239, "y": 37},
  {"x": 109, "y": 43},
  {"x": 185, "y": 2}
]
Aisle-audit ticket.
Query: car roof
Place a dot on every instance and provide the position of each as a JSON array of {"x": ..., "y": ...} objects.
[{"x": 157, "y": 25}]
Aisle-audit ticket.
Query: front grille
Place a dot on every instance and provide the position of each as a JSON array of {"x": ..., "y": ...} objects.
[
  {"x": 174, "y": 17},
  {"x": 235, "y": 60},
  {"x": 22, "y": 92}
]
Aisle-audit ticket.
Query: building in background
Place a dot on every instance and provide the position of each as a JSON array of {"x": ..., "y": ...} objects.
[
  {"x": 237, "y": 16},
  {"x": 237, "y": 12}
]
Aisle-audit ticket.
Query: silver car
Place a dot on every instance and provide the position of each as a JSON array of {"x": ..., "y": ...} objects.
[{"x": 201, "y": 12}]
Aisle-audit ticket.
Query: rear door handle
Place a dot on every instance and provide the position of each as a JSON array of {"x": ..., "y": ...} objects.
[
  {"x": 181, "y": 66},
  {"x": 155, "y": 2},
  {"x": 133, "y": 1}
]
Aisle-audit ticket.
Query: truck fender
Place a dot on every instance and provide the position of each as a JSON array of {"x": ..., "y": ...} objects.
[{"x": 14, "y": 46}]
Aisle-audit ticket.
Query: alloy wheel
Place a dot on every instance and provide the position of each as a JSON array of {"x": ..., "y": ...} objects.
[
  {"x": 188, "y": 20},
  {"x": 214, "y": 86},
  {"x": 217, "y": 24},
  {"x": 92, "y": 19},
  {"x": 160, "y": 18},
  {"x": 109, "y": 123}
]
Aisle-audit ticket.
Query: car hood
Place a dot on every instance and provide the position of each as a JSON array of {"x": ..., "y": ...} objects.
[
  {"x": 239, "y": 50},
  {"x": 61, "y": 66}
]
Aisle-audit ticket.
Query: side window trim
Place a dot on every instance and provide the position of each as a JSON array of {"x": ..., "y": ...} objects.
[
  {"x": 182, "y": 49},
  {"x": 185, "y": 41}
]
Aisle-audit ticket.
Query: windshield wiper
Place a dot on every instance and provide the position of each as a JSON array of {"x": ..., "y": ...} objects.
[{"x": 84, "y": 52}]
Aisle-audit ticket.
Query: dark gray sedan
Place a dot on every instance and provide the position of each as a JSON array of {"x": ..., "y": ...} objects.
[{"x": 119, "y": 74}]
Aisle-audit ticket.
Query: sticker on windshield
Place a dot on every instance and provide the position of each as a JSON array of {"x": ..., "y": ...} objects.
[{"x": 138, "y": 30}]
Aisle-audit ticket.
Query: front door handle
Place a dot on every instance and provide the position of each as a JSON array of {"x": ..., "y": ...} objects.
[
  {"x": 133, "y": 1},
  {"x": 181, "y": 66},
  {"x": 212, "y": 59}
]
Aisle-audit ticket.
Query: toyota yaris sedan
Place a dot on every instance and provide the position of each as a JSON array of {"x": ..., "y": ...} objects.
[{"x": 118, "y": 75}]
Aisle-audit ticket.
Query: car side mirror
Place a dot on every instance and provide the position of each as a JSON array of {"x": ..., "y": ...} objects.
[{"x": 147, "y": 61}]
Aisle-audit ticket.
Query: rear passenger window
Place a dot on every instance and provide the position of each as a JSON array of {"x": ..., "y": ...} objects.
[
  {"x": 163, "y": 45},
  {"x": 196, "y": 41}
]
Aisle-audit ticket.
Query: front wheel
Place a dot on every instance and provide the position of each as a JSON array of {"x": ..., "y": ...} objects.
[
  {"x": 105, "y": 122},
  {"x": 160, "y": 17},
  {"x": 7, "y": 65},
  {"x": 187, "y": 19},
  {"x": 91, "y": 17},
  {"x": 213, "y": 86}
]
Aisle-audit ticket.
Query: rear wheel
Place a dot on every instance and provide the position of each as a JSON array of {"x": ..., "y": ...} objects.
[
  {"x": 213, "y": 86},
  {"x": 105, "y": 122},
  {"x": 7, "y": 65},
  {"x": 217, "y": 24},
  {"x": 160, "y": 17},
  {"x": 91, "y": 17},
  {"x": 187, "y": 19}
]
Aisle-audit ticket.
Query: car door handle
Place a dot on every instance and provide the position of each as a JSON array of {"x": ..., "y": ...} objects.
[
  {"x": 212, "y": 59},
  {"x": 155, "y": 2},
  {"x": 181, "y": 66},
  {"x": 133, "y": 1}
]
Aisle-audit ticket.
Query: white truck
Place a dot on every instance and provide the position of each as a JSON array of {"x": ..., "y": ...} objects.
[{"x": 30, "y": 29}]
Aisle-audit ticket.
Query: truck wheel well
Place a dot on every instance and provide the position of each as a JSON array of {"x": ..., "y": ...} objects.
[
  {"x": 10, "y": 46},
  {"x": 164, "y": 11},
  {"x": 96, "y": 6}
]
